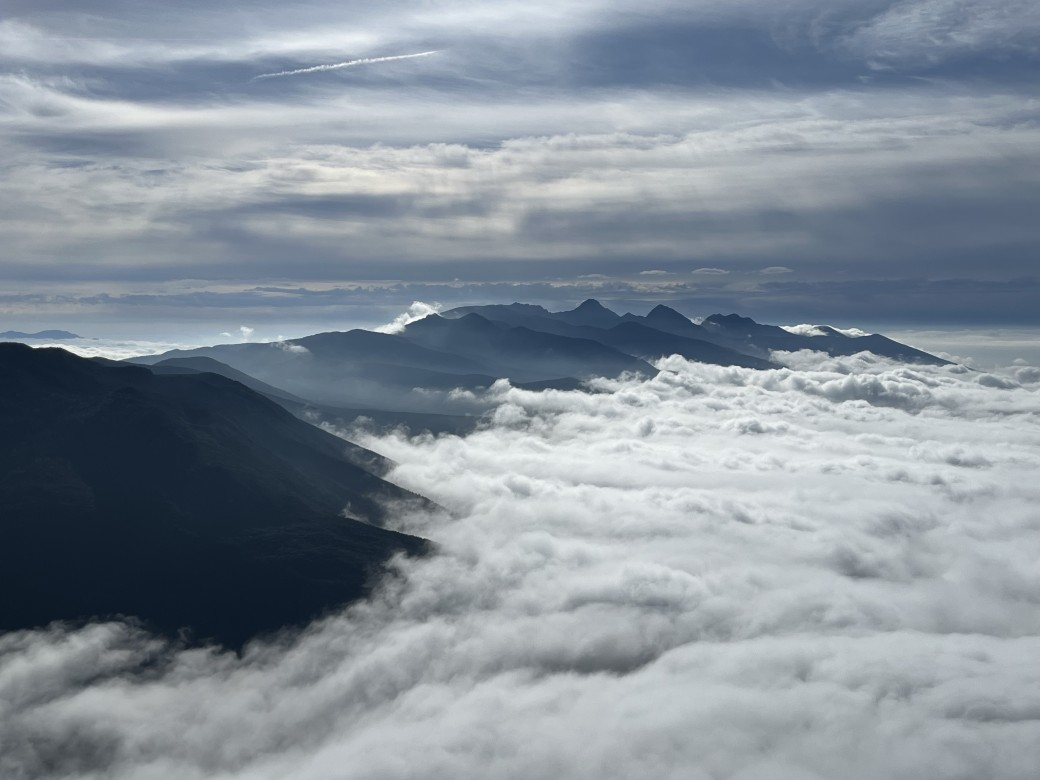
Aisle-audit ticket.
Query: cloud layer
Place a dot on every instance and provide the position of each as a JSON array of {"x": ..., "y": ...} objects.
[
  {"x": 844, "y": 141},
  {"x": 822, "y": 571}
]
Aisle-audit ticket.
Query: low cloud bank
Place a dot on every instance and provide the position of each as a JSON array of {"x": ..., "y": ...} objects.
[{"x": 827, "y": 571}]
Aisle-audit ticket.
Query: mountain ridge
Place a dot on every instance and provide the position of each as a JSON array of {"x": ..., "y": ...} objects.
[
  {"x": 184, "y": 499},
  {"x": 436, "y": 367}
]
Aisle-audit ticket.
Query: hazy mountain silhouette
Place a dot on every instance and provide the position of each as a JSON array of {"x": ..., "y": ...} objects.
[
  {"x": 378, "y": 420},
  {"x": 590, "y": 313},
  {"x": 662, "y": 332},
  {"x": 202, "y": 364},
  {"x": 407, "y": 378},
  {"x": 43, "y": 334},
  {"x": 638, "y": 339},
  {"x": 394, "y": 378},
  {"x": 520, "y": 353},
  {"x": 720, "y": 339},
  {"x": 755, "y": 337},
  {"x": 353, "y": 369},
  {"x": 184, "y": 499}
]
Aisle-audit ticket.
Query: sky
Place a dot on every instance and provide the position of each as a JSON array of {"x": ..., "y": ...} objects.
[
  {"x": 715, "y": 574},
  {"x": 188, "y": 169}
]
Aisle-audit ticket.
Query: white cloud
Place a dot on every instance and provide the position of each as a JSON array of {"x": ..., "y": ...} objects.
[
  {"x": 417, "y": 311},
  {"x": 817, "y": 330},
  {"x": 296, "y": 349},
  {"x": 244, "y": 334},
  {"x": 711, "y": 271},
  {"x": 805, "y": 330},
  {"x": 930, "y": 31},
  {"x": 716, "y": 573},
  {"x": 776, "y": 269}
]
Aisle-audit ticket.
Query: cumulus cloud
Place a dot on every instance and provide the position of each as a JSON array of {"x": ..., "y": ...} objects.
[{"x": 799, "y": 573}]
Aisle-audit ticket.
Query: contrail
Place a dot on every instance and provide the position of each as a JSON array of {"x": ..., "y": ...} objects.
[{"x": 338, "y": 65}]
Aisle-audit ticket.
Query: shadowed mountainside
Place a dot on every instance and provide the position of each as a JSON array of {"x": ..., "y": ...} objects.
[{"x": 184, "y": 499}]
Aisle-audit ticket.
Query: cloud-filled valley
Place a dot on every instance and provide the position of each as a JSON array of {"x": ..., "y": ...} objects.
[{"x": 806, "y": 572}]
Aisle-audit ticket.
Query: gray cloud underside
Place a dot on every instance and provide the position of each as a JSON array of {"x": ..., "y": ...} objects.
[
  {"x": 720, "y": 573},
  {"x": 842, "y": 140}
]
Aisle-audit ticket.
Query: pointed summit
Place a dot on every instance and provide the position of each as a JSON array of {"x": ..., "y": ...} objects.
[
  {"x": 670, "y": 321},
  {"x": 590, "y": 313},
  {"x": 665, "y": 313}
]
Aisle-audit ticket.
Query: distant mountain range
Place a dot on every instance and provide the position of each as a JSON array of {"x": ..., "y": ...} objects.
[
  {"x": 184, "y": 499},
  {"x": 408, "y": 378},
  {"x": 186, "y": 493},
  {"x": 50, "y": 335}
]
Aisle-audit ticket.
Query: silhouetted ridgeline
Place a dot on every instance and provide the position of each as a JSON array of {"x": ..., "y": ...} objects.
[
  {"x": 187, "y": 500},
  {"x": 406, "y": 378}
]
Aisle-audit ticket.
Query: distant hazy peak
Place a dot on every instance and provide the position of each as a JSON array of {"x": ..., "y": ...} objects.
[
  {"x": 729, "y": 320},
  {"x": 43, "y": 334},
  {"x": 662, "y": 312},
  {"x": 590, "y": 313},
  {"x": 590, "y": 305}
]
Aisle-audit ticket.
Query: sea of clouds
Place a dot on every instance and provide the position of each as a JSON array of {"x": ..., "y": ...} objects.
[{"x": 827, "y": 570}]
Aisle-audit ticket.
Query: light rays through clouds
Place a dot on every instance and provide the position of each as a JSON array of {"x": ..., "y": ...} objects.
[
  {"x": 341, "y": 65},
  {"x": 818, "y": 572}
]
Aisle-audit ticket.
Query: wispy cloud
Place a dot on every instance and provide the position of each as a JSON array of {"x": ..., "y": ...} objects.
[{"x": 341, "y": 65}]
